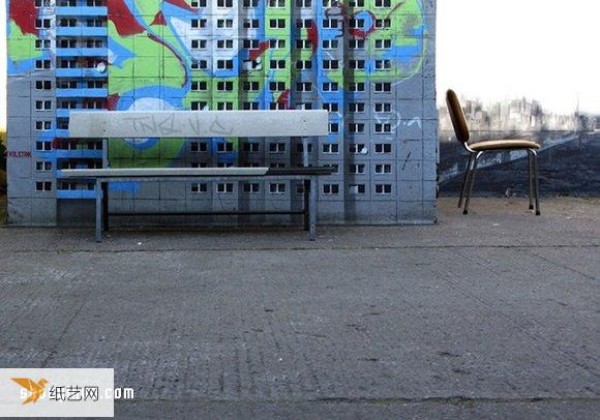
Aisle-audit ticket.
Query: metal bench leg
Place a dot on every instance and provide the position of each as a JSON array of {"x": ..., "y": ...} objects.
[
  {"x": 306, "y": 204},
  {"x": 99, "y": 209},
  {"x": 105, "y": 206},
  {"x": 312, "y": 208}
]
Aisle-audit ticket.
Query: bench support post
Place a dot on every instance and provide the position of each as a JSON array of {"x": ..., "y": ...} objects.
[
  {"x": 105, "y": 206},
  {"x": 99, "y": 209},
  {"x": 312, "y": 208},
  {"x": 306, "y": 204}
]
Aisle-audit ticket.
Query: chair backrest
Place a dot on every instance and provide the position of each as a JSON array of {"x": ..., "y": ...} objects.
[{"x": 458, "y": 118}]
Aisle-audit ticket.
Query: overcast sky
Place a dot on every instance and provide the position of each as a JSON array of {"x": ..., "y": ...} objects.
[{"x": 501, "y": 49}]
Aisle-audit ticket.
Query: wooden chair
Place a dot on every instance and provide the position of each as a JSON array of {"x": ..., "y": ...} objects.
[{"x": 489, "y": 146}]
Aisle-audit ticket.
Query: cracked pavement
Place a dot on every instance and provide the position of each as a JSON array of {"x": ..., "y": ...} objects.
[{"x": 491, "y": 315}]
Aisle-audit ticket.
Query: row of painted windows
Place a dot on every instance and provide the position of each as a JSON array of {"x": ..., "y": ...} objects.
[
  {"x": 228, "y": 187},
  {"x": 280, "y": 188},
  {"x": 276, "y": 147},
  {"x": 201, "y": 44},
  {"x": 70, "y": 3},
  {"x": 45, "y": 44},
  {"x": 282, "y": 23},
  {"x": 46, "y": 23},
  {"x": 46, "y": 146},
  {"x": 300, "y": 64},
  {"x": 283, "y": 3},
  {"x": 254, "y": 44},
  {"x": 304, "y": 87},
  {"x": 101, "y": 103},
  {"x": 250, "y": 105},
  {"x": 220, "y": 3}
]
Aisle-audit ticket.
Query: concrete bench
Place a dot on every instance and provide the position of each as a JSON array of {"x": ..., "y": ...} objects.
[{"x": 201, "y": 124}]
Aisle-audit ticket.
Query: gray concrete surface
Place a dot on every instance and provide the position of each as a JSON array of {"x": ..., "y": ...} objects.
[{"x": 491, "y": 315}]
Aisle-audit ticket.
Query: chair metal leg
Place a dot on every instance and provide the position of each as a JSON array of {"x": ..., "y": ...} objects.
[
  {"x": 530, "y": 157},
  {"x": 536, "y": 182},
  {"x": 464, "y": 184},
  {"x": 471, "y": 183}
]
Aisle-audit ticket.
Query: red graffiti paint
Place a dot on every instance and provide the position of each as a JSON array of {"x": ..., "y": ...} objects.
[
  {"x": 24, "y": 14},
  {"x": 159, "y": 20},
  {"x": 262, "y": 47},
  {"x": 364, "y": 33},
  {"x": 125, "y": 23},
  {"x": 360, "y": 34},
  {"x": 284, "y": 98},
  {"x": 19, "y": 154},
  {"x": 113, "y": 101},
  {"x": 181, "y": 4},
  {"x": 312, "y": 33}
]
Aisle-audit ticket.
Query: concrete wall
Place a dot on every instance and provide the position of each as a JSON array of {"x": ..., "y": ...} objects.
[{"x": 370, "y": 63}]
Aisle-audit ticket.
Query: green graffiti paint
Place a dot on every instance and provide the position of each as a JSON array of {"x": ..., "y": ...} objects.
[{"x": 21, "y": 47}]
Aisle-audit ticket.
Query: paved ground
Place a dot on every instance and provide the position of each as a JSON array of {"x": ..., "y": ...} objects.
[{"x": 491, "y": 315}]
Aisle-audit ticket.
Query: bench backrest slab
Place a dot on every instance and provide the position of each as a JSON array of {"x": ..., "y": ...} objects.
[{"x": 195, "y": 124}]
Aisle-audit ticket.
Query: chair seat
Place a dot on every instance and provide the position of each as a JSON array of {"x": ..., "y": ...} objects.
[{"x": 483, "y": 146}]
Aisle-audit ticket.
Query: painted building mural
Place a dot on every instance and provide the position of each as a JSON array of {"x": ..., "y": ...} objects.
[{"x": 370, "y": 63}]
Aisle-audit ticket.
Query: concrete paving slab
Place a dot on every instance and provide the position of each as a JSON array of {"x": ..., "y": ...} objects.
[{"x": 491, "y": 315}]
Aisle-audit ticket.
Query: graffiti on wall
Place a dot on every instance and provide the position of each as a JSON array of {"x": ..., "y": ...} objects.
[
  {"x": 369, "y": 63},
  {"x": 264, "y": 57},
  {"x": 184, "y": 54}
]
